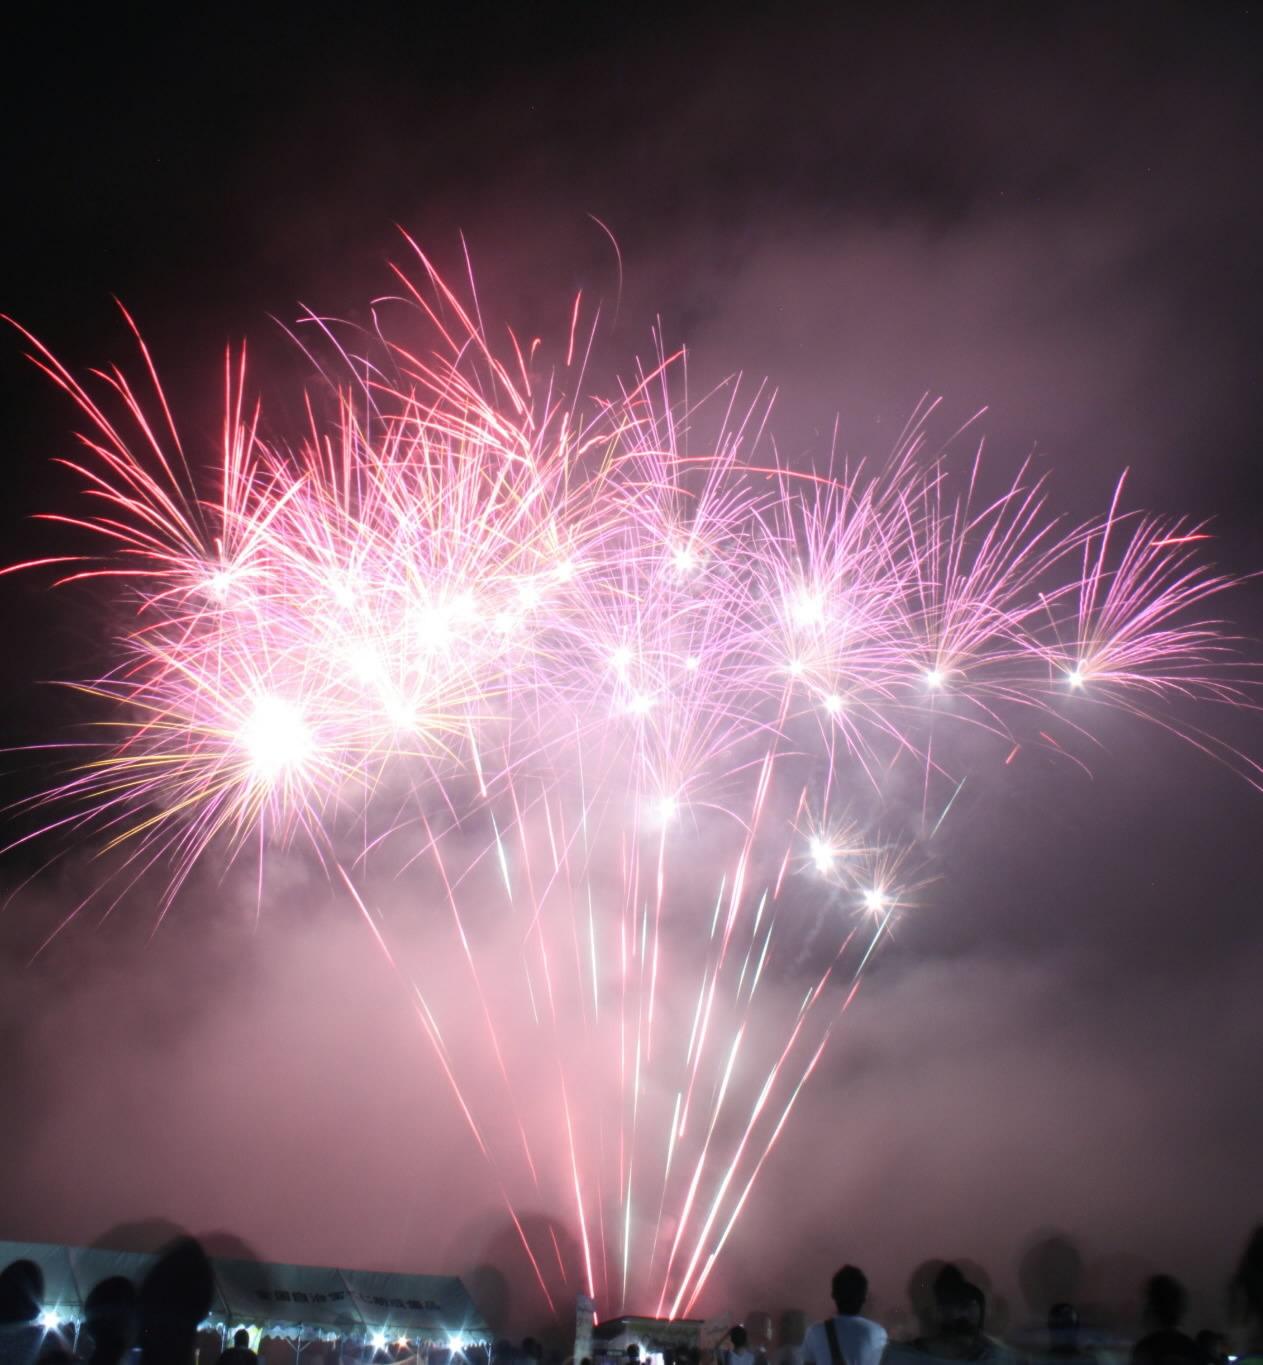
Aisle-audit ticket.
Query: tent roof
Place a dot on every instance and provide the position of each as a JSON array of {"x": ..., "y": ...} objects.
[{"x": 277, "y": 1297}]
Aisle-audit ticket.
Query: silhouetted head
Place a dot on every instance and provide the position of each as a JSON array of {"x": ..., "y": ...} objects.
[
  {"x": 947, "y": 1281},
  {"x": 1063, "y": 1326},
  {"x": 175, "y": 1296},
  {"x": 952, "y": 1301},
  {"x": 21, "y": 1292},
  {"x": 1247, "y": 1283},
  {"x": 1213, "y": 1346},
  {"x": 1165, "y": 1300},
  {"x": 739, "y": 1338},
  {"x": 111, "y": 1317},
  {"x": 241, "y": 1339},
  {"x": 850, "y": 1289}
]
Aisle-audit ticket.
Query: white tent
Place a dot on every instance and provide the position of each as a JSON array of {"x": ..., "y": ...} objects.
[{"x": 282, "y": 1300}]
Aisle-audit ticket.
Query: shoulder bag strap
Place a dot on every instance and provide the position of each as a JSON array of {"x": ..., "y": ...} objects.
[{"x": 835, "y": 1347}]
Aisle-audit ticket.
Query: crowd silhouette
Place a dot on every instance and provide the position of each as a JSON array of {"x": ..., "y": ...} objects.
[{"x": 157, "y": 1322}]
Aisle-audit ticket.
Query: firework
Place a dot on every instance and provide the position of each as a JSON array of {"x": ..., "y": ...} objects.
[{"x": 543, "y": 656}]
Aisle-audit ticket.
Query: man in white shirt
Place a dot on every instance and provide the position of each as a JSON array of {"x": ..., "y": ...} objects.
[{"x": 846, "y": 1339}]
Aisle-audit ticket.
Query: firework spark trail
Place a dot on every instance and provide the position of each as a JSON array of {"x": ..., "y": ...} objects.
[{"x": 667, "y": 683}]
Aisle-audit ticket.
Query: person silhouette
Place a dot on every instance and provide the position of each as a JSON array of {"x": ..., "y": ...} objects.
[
  {"x": 1063, "y": 1335},
  {"x": 1246, "y": 1289},
  {"x": 790, "y": 1334},
  {"x": 21, "y": 1297},
  {"x": 846, "y": 1338},
  {"x": 1165, "y": 1303},
  {"x": 739, "y": 1352},
  {"x": 175, "y": 1296},
  {"x": 960, "y": 1317},
  {"x": 111, "y": 1319},
  {"x": 239, "y": 1353}
]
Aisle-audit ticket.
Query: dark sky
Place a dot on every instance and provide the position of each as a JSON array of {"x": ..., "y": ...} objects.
[{"x": 1053, "y": 211}]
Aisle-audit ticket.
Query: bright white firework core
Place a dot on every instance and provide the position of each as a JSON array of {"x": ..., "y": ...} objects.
[
  {"x": 276, "y": 738},
  {"x": 400, "y": 712},
  {"x": 933, "y": 679},
  {"x": 821, "y": 855},
  {"x": 833, "y": 703},
  {"x": 666, "y": 808},
  {"x": 874, "y": 899},
  {"x": 808, "y": 609},
  {"x": 341, "y": 591},
  {"x": 365, "y": 661},
  {"x": 219, "y": 583},
  {"x": 1075, "y": 676}
]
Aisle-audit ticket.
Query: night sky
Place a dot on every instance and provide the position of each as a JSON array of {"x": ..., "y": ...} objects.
[{"x": 1049, "y": 211}]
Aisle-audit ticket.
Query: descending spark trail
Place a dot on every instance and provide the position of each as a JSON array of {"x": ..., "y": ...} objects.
[{"x": 616, "y": 713}]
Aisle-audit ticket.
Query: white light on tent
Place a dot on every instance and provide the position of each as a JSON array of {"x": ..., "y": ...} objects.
[
  {"x": 379, "y": 1340},
  {"x": 48, "y": 1320}
]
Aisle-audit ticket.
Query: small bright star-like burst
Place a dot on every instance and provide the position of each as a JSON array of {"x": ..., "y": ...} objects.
[
  {"x": 822, "y": 854},
  {"x": 276, "y": 738},
  {"x": 685, "y": 559}
]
